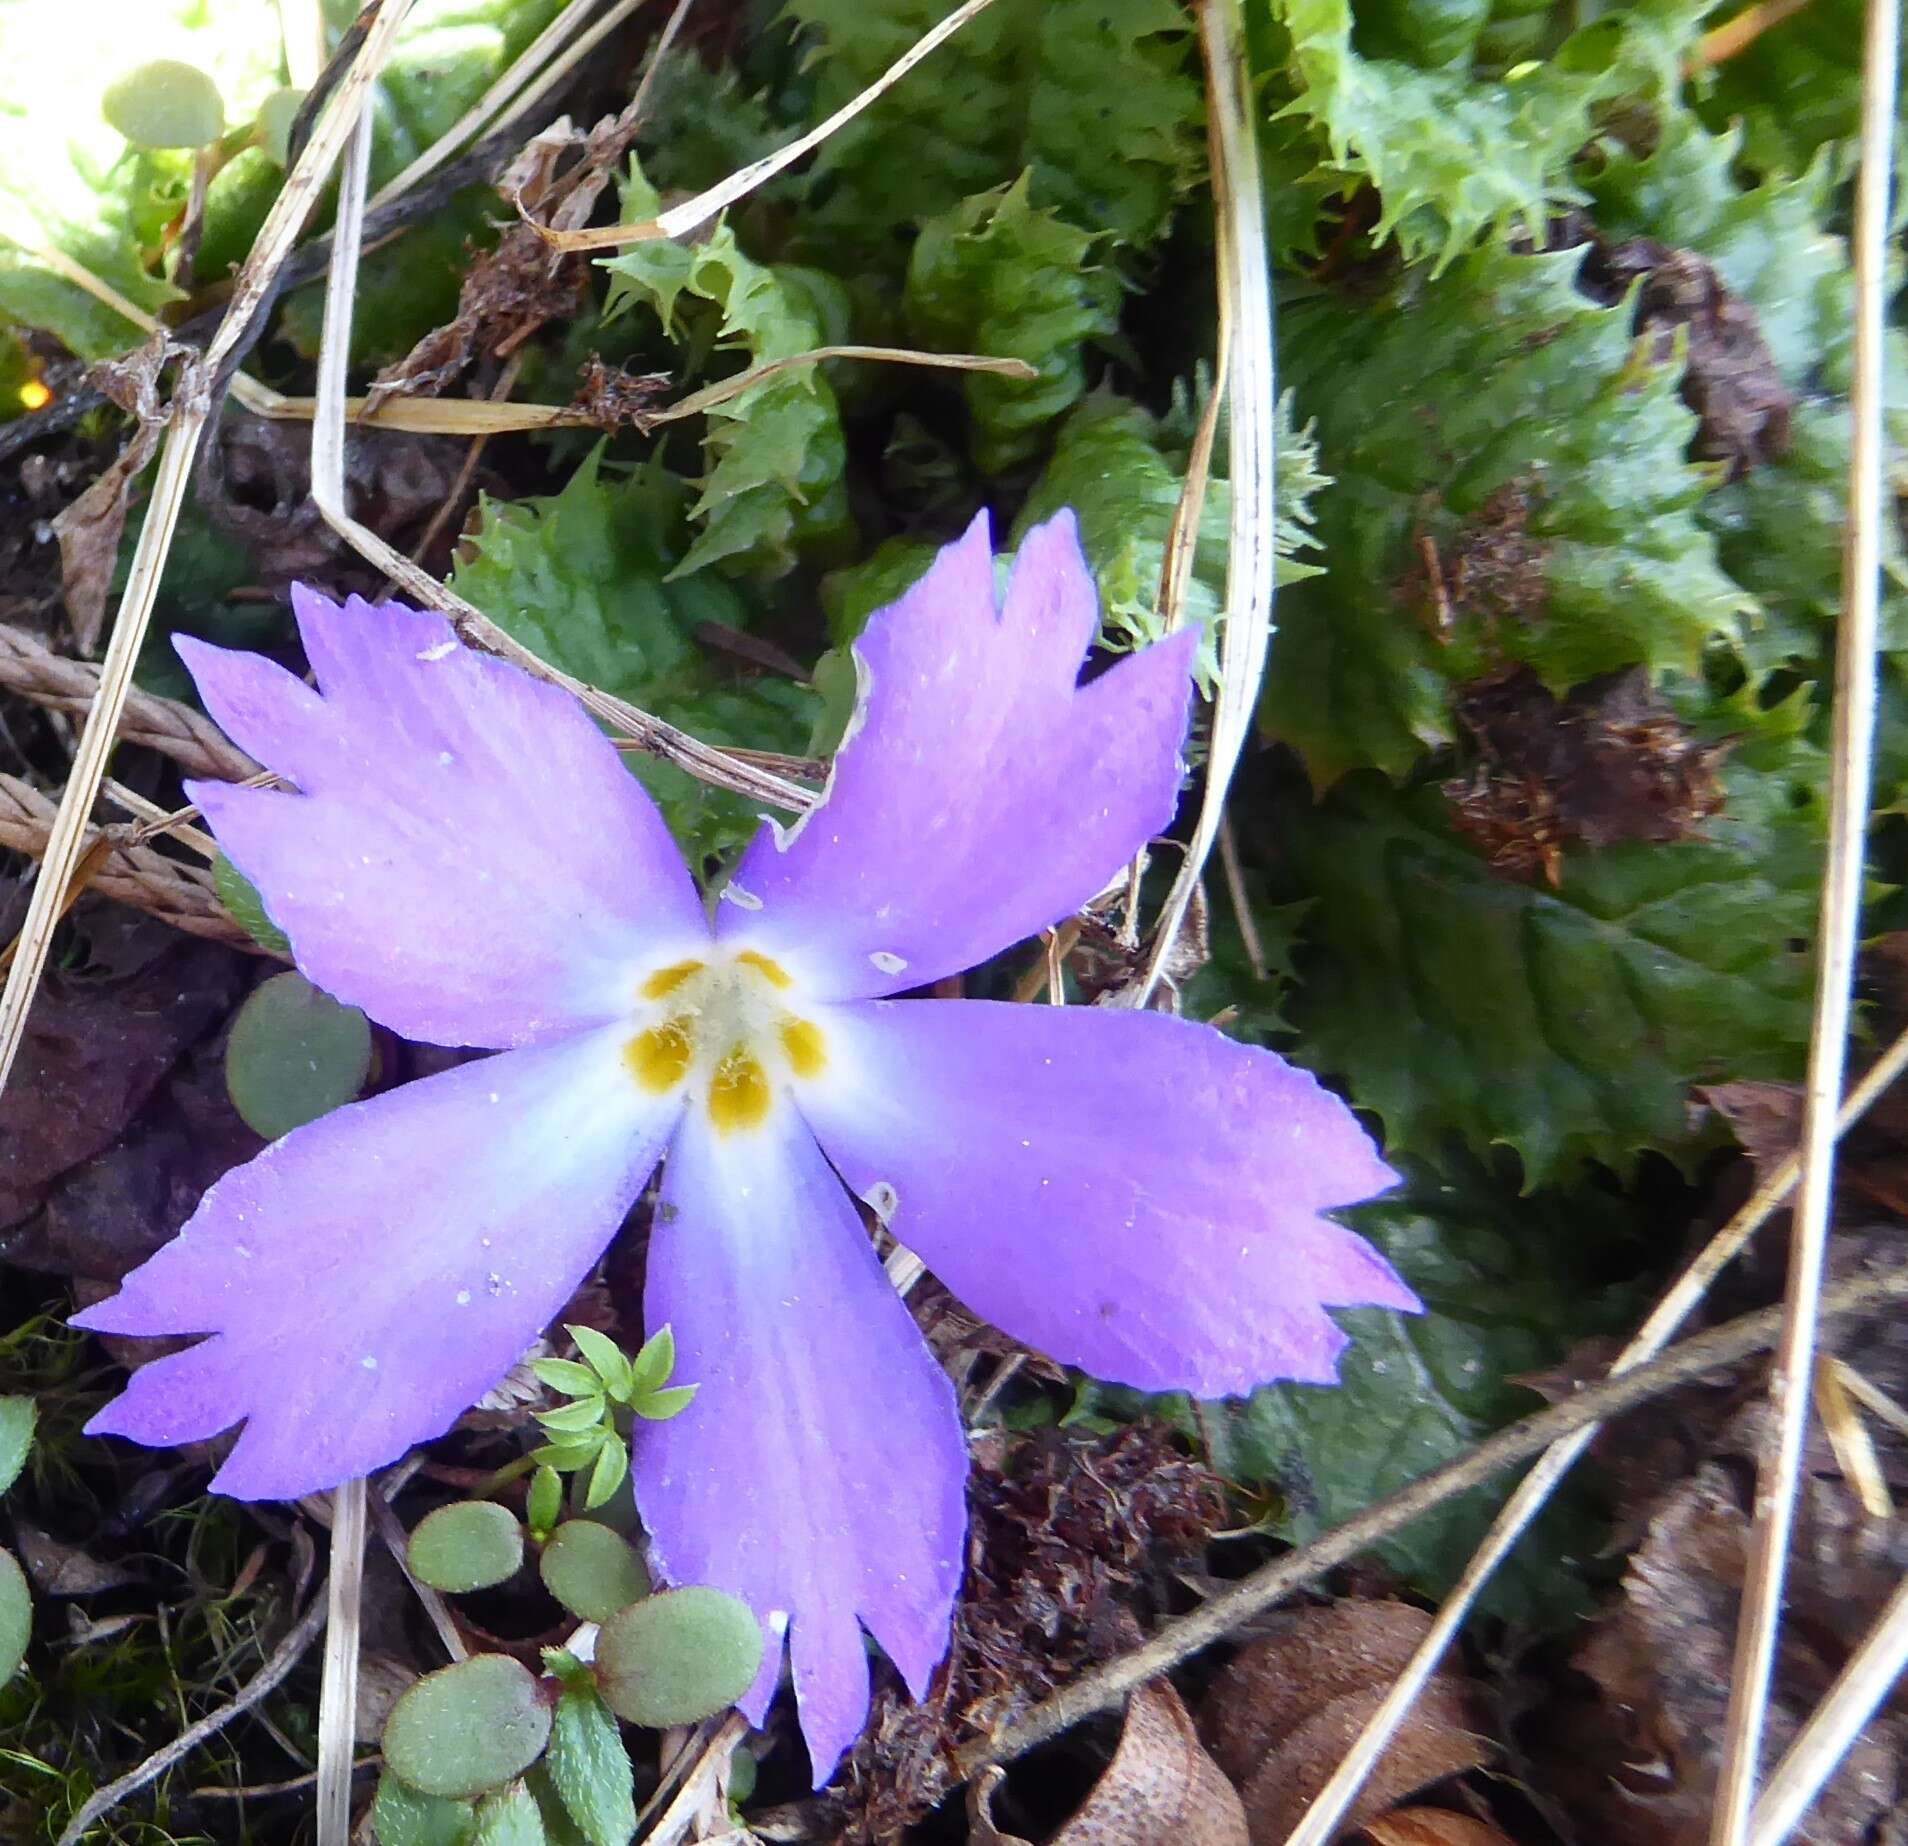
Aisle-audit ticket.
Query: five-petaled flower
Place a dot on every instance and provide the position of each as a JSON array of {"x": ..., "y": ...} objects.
[{"x": 462, "y": 854}]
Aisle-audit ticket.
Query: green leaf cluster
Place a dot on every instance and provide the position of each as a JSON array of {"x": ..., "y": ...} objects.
[
  {"x": 775, "y": 453},
  {"x": 998, "y": 275},
  {"x": 1098, "y": 100},
  {"x": 606, "y": 1388}
]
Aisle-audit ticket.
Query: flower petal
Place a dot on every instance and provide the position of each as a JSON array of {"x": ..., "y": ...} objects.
[
  {"x": 370, "y": 1276},
  {"x": 468, "y": 859},
  {"x": 819, "y": 1471},
  {"x": 1131, "y": 1193},
  {"x": 981, "y": 793}
]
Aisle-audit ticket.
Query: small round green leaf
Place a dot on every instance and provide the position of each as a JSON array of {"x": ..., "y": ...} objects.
[
  {"x": 467, "y": 1728},
  {"x": 677, "y": 1657},
  {"x": 591, "y": 1570},
  {"x": 165, "y": 104},
  {"x": 274, "y": 123},
  {"x": 403, "y": 1817},
  {"x": 295, "y": 1054},
  {"x": 466, "y": 1546},
  {"x": 16, "y": 1616},
  {"x": 16, "y": 1437}
]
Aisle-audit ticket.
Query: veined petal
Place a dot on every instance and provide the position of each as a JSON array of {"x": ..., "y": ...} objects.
[
  {"x": 818, "y": 1473},
  {"x": 1131, "y": 1193},
  {"x": 981, "y": 793},
  {"x": 370, "y": 1276},
  {"x": 466, "y": 858}
]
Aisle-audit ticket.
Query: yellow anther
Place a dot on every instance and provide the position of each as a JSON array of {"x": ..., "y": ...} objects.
[
  {"x": 659, "y": 1058},
  {"x": 771, "y": 971},
  {"x": 738, "y": 1092},
  {"x": 806, "y": 1049},
  {"x": 667, "y": 980}
]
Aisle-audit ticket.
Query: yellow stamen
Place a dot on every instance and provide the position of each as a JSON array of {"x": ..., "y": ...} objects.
[
  {"x": 738, "y": 1092},
  {"x": 771, "y": 971},
  {"x": 667, "y": 980},
  {"x": 659, "y": 1059},
  {"x": 806, "y": 1049}
]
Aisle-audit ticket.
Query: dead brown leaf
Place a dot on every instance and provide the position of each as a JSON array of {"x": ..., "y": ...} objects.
[
  {"x": 61, "y": 1569},
  {"x": 1610, "y": 762},
  {"x": 1281, "y": 1716},
  {"x": 1432, "y": 1827},
  {"x": 1160, "y": 1785},
  {"x": 1730, "y": 379}
]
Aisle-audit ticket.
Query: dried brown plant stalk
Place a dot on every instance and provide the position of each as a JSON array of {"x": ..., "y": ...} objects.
[
  {"x": 33, "y": 670},
  {"x": 181, "y": 895}
]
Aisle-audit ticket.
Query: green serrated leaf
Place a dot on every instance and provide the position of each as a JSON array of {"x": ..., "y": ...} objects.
[
  {"x": 567, "y": 1376},
  {"x": 660, "y": 1406},
  {"x": 996, "y": 275},
  {"x": 1456, "y": 153},
  {"x": 608, "y": 1360},
  {"x": 568, "y": 1456},
  {"x": 403, "y": 1817},
  {"x": 775, "y": 453},
  {"x": 612, "y": 1466},
  {"x": 1509, "y": 485},
  {"x": 1050, "y": 89},
  {"x": 1509, "y": 1284},
  {"x": 1694, "y": 949},
  {"x": 589, "y": 1768},
  {"x": 17, "y": 1417},
  {"x": 654, "y": 1362}
]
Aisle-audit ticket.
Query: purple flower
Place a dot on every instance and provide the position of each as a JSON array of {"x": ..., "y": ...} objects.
[{"x": 465, "y": 857}]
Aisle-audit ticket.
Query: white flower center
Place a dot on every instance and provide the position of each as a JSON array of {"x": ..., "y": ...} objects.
[{"x": 726, "y": 1030}]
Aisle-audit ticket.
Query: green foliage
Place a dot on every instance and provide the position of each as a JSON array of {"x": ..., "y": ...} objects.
[
  {"x": 294, "y": 1054},
  {"x": 1514, "y": 427},
  {"x": 999, "y": 276},
  {"x": 1794, "y": 90},
  {"x": 17, "y": 1417},
  {"x": 467, "y": 1728},
  {"x": 1456, "y": 153},
  {"x": 166, "y": 103},
  {"x": 605, "y": 1393},
  {"x": 1509, "y": 1285},
  {"x": 468, "y": 1545},
  {"x": 509, "y": 1818},
  {"x": 775, "y": 453},
  {"x": 1649, "y": 968},
  {"x": 678, "y": 1657},
  {"x": 240, "y": 896},
  {"x": 1122, "y": 473},
  {"x": 591, "y": 1570},
  {"x": 589, "y": 1768},
  {"x": 592, "y": 579},
  {"x": 1779, "y": 527},
  {"x": 403, "y": 1817},
  {"x": 16, "y": 1616},
  {"x": 1097, "y": 98}
]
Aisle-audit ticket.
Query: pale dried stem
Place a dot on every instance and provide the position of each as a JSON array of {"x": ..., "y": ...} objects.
[
  {"x": 338, "y": 1690},
  {"x": 1833, "y": 1726},
  {"x": 1837, "y": 937},
  {"x": 174, "y": 823},
  {"x": 33, "y": 670},
  {"x": 698, "y": 1766},
  {"x": 1245, "y": 295},
  {"x": 1535, "y": 1489},
  {"x": 681, "y": 219},
  {"x": 128, "y": 874},
  {"x": 191, "y": 407},
  {"x": 1735, "y": 36},
  {"x": 1105, "y": 1686}
]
